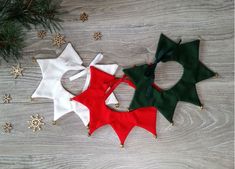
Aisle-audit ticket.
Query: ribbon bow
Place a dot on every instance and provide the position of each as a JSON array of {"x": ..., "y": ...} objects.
[
  {"x": 150, "y": 72},
  {"x": 86, "y": 70}
]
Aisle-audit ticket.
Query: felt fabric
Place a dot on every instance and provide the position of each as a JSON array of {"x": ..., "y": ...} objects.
[
  {"x": 51, "y": 87},
  {"x": 109, "y": 68},
  {"x": 148, "y": 94},
  {"x": 101, "y": 85}
]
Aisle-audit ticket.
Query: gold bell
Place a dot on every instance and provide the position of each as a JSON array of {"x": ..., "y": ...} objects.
[
  {"x": 122, "y": 145},
  {"x": 201, "y": 107},
  {"x": 117, "y": 105},
  {"x": 34, "y": 60}
]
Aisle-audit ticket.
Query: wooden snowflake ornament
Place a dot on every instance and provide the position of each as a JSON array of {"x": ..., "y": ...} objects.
[
  {"x": 6, "y": 98},
  {"x": 83, "y": 17},
  {"x": 36, "y": 122},
  {"x": 58, "y": 40},
  {"x": 97, "y": 36},
  {"x": 17, "y": 71},
  {"x": 42, "y": 34},
  {"x": 7, "y": 127}
]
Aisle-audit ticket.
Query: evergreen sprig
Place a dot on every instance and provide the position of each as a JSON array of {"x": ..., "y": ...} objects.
[
  {"x": 15, "y": 15},
  {"x": 11, "y": 40}
]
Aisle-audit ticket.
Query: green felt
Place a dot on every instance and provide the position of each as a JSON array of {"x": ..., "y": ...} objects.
[{"x": 187, "y": 54}]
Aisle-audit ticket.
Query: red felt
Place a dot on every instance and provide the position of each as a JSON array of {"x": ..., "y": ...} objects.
[{"x": 101, "y": 86}]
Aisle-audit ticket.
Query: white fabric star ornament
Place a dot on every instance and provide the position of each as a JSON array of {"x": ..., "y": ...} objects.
[{"x": 51, "y": 87}]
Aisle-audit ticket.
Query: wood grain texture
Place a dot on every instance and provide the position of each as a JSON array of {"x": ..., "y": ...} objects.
[{"x": 130, "y": 28}]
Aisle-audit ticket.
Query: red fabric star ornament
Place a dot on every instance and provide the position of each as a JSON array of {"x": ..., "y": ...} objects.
[{"x": 101, "y": 85}]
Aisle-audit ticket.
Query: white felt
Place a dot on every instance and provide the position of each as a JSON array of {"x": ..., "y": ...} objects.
[
  {"x": 111, "y": 69},
  {"x": 51, "y": 87}
]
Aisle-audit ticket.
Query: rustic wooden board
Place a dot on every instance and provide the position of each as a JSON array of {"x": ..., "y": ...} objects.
[{"x": 130, "y": 28}]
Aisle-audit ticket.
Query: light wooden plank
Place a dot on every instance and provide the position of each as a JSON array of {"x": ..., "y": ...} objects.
[{"x": 130, "y": 28}]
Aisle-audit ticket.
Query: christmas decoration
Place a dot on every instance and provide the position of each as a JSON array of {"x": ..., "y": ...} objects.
[
  {"x": 83, "y": 17},
  {"x": 97, "y": 35},
  {"x": 53, "y": 122},
  {"x": 17, "y": 71},
  {"x": 117, "y": 105},
  {"x": 6, "y": 98},
  {"x": 36, "y": 122},
  {"x": 7, "y": 127},
  {"x": 51, "y": 87},
  {"x": 111, "y": 69},
  {"x": 148, "y": 94},
  {"x": 101, "y": 86},
  {"x": 16, "y": 15},
  {"x": 58, "y": 40},
  {"x": 34, "y": 60},
  {"x": 42, "y": 34}
]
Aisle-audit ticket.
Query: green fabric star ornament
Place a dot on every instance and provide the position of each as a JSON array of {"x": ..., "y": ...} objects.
[{"x": 148, "y": 94}]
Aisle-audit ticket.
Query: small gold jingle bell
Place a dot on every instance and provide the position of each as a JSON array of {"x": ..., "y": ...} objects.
[
  {"x": 117, "y": 105},
  {"x": 201, "y": 107},
  {"x": 53, "y": 122},
  {"x": 216, "y": 75}
]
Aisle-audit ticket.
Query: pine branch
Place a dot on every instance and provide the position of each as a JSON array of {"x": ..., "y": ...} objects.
[
  {"x": 36, "y": 13},
  {"x": 11, "y": 38},
  {"x": 16, "y": 14}
]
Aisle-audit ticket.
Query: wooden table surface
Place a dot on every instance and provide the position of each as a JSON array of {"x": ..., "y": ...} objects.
[{"x": 131, "y": 28}]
